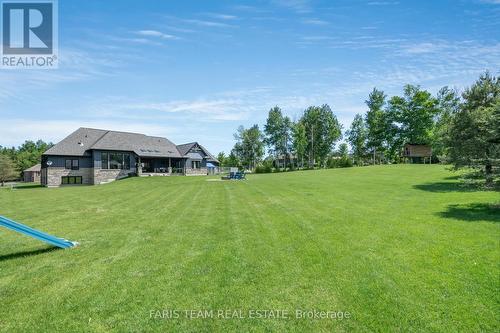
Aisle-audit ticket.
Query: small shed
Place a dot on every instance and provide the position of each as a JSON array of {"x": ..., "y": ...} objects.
[
  {"x": 32, "y": 175},
  {"x": 417, "y": 153}
]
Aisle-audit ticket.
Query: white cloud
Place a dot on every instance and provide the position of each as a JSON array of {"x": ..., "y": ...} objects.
[
  {"x": 208, "y": 23},
  {"x": 314, "y": 21},
  {"x": 493, "y": 2},
  {"x": 155, "y": 33},
  {"x": 424, "y": 47},
  {"x": 299, "y": 6},
  {"x": 222, "y": 16},
  {"x": 74, "y": 65}
]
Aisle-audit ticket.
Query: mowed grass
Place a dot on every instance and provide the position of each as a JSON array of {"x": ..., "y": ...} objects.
[{"x": 401, "y": 248}]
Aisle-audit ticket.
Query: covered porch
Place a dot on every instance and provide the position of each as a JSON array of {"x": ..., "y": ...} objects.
[{"x": 156, "y": 166}]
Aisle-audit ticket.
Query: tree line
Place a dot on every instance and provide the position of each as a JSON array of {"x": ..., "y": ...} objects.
[
  {"x": 463, "y": 129},
  {"x": 14, "y": 160}
]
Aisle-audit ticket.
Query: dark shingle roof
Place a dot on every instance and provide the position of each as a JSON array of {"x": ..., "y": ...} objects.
[
  {"x": 77, "y": 143},
  {"x": 186, "y": 147},
  {"x": 80, "y": 142},
  {"x": 142, "y": 145},
  {"x": 36, "y": 167}
]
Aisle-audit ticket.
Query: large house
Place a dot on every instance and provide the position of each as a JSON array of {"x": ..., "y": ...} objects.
[{"x": 95, "y": 156}]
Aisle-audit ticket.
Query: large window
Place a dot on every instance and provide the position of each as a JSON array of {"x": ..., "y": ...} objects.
[
  {"x": 71, "y": 180},
  {"x": 72, "y": 164},
  {"x": 196, "y": 164},
  {"x": 104, "y": 161},
  {"x": 126, "y": 161},
  {"x": 115, "y": 161}
]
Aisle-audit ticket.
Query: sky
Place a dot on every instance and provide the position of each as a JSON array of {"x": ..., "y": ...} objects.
[{"x": 196, "y": 70}]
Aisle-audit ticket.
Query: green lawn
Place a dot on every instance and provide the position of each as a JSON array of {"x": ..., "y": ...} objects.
[{"x": 400, "y": 248}]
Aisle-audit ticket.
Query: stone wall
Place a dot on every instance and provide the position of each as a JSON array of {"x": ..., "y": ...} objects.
[
  {"x": 54, "y": 175},
  {"x": 196, "y": 172},
  {"x": 108, "y": 175}
]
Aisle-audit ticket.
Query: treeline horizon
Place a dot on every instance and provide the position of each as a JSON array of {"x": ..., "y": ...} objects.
[{"x": 462, "y": 128}]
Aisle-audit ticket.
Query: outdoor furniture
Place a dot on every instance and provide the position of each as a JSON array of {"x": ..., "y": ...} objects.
[{"x": 238, "y": 175}]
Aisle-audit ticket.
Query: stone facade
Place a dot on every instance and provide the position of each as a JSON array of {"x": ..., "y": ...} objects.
[
  {"x": 108, "y": 175},
  {"x": 196, "y": 172},
  {"x": 54, "y": 175},
  {"x": 90, "y": 176}
]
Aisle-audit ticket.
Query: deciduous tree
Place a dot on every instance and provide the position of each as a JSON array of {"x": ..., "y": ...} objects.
[
  {"x": 7, "y": 169},
  {"x": 357, "y": 136},
  {"x": 277, "y": 130},
  {"x": 376, "y": 122},
  {"x": 249, "y": 147},
  {"x": 322, "y": 131},
  {"x": 299, "y": 141}
]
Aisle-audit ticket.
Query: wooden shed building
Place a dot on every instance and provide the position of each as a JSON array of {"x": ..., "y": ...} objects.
[
  {"x": 32, "y": 175},
  {"x": 416, "y": 153}
]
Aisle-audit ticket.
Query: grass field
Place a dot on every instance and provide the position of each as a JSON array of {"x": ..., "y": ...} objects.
[{"x": 400, "y": 248}]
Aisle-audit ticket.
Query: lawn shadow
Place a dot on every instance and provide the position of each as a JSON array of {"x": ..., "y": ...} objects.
[
  {"x": 27, "y": 253},
  {"x": 443, "y": 187},
  {"x": 473, "y": 212},
  {"x": 27, "y": 187}
]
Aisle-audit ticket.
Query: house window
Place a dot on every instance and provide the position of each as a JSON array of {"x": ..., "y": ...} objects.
[
  {"x": 196, "y": 164},
  {"x": 126, "y": 161},
  {"x": 71, "y": 180},
  {"x": 72, "y": 164},
  {"x": 104, "y": 161},
  {"x": 115, "y": 161}
]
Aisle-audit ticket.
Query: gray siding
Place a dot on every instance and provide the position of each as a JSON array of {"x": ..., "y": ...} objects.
[
  {"x": 60, "y": 161},
  {"x": 196, "y": 156},
  {"x": 189, "y": 162}
]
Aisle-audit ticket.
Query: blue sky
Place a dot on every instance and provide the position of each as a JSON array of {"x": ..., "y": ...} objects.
[{"x": 195, "y": 70}]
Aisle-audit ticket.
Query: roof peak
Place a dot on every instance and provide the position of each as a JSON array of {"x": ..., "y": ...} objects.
[{"x": 106, "y": 130}]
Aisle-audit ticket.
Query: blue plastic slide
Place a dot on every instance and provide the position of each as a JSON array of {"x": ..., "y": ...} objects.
[{"x": 21, "y": 228}]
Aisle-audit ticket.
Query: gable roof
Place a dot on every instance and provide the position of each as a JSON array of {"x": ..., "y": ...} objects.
[
  {"x": 77, "y": 143},
  {"x": 36, "y": 167},
  {"x": 186, "y": 147},
  {"x": 83, "y": 140},
  {"x": 142, "y": 145}
]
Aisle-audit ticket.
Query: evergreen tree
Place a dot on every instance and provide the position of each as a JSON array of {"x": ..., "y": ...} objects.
[{"x": 474, "y": 131}]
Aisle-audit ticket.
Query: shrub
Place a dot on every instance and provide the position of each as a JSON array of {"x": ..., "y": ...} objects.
[
  {"x": 263, "y": 169},
  {"x": 342, "y": 162}
]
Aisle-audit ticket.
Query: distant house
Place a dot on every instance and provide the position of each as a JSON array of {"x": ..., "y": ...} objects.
[
  {"x": 416, "y": 153},
  {"x": 32, "y": 175},
  {"x": 198, "y": 159},
  {"x": 95, "y": 156}
]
